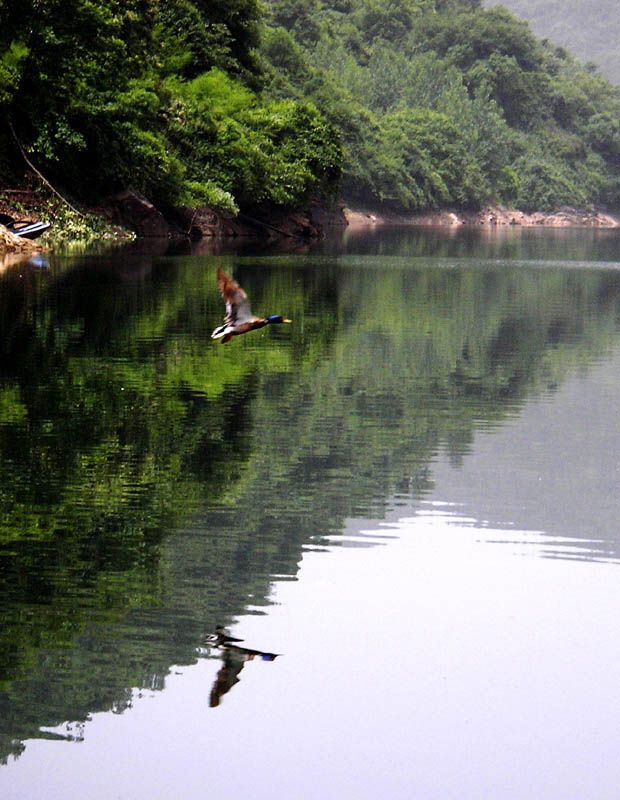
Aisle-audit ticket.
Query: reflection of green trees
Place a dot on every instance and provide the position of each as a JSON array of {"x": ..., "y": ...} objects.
[
  {"x": 421, "y": 357},
  {"x": 120, "y": 420},
  {"x": 100, "y": 400},
  {"x": 119, "y": 417}
]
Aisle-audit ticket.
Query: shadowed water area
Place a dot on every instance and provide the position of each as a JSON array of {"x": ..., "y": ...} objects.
[{"x": 405, "y": 504}]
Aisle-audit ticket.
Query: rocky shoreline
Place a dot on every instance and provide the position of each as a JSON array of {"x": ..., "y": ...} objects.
[
  {"x": 139, "y": 215},
  {"x": 490, "y": 217},
  {"x": 130, "y": 211}
]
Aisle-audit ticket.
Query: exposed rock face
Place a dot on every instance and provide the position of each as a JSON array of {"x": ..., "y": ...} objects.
[
  {"x": 135, "y": 212},
  {"x": 308, "y": 223}
]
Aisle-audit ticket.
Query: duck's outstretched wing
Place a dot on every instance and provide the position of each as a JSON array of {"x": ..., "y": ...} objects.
[{"x": 238, "y": 308}]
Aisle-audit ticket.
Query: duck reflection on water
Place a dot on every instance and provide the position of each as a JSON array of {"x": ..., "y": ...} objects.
[{"x": 234, "y": 658}]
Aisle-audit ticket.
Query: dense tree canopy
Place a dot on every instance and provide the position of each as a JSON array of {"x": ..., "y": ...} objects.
[
  {"x": 233, "y": 103},
  {"x": 160, "y": 96},
  {"x": 531, "y": 125}
]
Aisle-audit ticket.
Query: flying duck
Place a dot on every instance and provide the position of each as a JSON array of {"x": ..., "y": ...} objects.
[{"x": 239, "y": 317}]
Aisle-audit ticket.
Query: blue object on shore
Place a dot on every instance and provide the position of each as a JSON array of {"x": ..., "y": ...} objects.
[
  {"x": 26, "y": 230},
  {"x": 32, "y": 231}
]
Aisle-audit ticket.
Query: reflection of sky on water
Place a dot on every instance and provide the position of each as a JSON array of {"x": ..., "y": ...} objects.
[
  {"x": 437, "y": 666},
  {"x": 553, "y": 468},
  {"x": 525, "y": 543},
  {"x": 546, "y": 481}
]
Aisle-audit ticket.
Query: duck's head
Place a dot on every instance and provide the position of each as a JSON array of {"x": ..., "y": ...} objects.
[{"x": 276, "y": 318}]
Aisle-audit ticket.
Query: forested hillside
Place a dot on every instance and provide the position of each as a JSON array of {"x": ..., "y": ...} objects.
[
  {"x": 590, "y": 29},
  {"x": 445, "y": 103},
  {"x": 409, "y": 104}
]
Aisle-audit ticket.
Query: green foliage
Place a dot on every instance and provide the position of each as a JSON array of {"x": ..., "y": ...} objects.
[
  {"x": 159, "y": 96},
  {"x": 192, "y": 36},
  {"x": 303, "y": 151},
  {"x": 74, "y": 232},
  {"x": 284, "y": 54},
  {"x": 426, "y": 162},
  {"x": 207, "y": 193},
  {"x": 603, "y": 134},
  {"x": 10, "y": 67},
  {"x": 216, "y": 94},
  {"x": 257, "y": 152},
  {"x": 543, "y": 184},
  {"x": 388, "y": 20},
  {"x": 300, "y": 17}
]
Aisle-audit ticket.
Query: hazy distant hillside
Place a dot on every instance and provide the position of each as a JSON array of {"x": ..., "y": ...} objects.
[{"x": 589, "y": 29}]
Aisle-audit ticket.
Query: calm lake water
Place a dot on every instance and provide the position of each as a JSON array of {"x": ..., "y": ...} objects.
[{"x": 409, "y": 495}]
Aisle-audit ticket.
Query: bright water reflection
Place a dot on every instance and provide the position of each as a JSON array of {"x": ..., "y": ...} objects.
[
  {"x": 425, "y": 420},
  {"x": 451, "y": 669}
]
